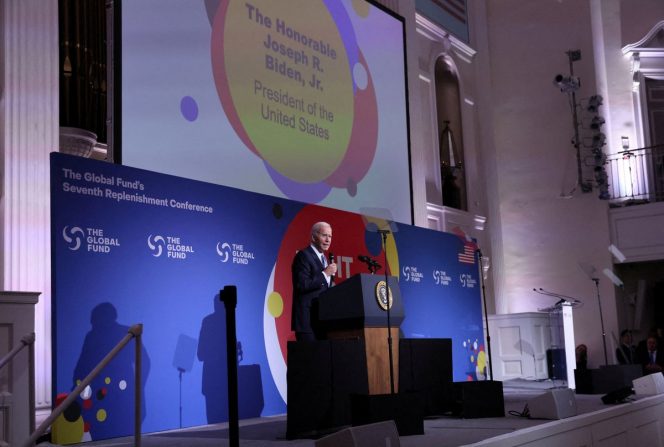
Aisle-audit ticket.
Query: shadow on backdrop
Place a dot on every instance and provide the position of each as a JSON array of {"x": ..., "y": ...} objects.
[
  {"x": 212, "y": 352},
  {"x": 106, "y": 404}
]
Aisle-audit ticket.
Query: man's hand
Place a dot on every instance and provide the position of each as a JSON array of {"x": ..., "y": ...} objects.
[{"x": 331, "y": 269}]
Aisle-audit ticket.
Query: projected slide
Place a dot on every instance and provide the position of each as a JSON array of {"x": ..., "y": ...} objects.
[{"x": 303, "y": 99}]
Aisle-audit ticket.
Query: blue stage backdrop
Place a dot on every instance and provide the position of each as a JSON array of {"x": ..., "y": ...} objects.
[{"x": 132, "y": 246}]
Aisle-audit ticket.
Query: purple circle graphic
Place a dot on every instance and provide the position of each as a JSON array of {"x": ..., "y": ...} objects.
[
  {"x": 302, "y": 192},
  {"x": 189, "y": 108}
]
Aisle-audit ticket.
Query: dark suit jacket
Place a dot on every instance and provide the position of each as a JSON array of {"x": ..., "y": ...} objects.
[
  {"x": 644, "y": 359},
  {"x": 626, "y": 355},
  {"x": 308, "y": 283}
]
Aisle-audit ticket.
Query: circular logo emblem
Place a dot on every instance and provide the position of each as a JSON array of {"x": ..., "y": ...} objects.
[
  {"x": 382, "y": 292},
  {"x": 224, "y": 251}
]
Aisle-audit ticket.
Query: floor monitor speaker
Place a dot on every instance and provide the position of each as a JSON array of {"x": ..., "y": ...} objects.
[
  {"x": 403, "y": 408},
  {"x": 379, "y": 434},
  {"x": 554, "y": 404},
  {"x": 650, "y": 384}
]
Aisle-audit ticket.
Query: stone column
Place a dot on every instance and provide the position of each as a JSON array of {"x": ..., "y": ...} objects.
[{"x": 28, "y": 133}]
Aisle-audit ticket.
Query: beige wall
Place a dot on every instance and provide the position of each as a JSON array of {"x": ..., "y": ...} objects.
[{"x": 543, "y": 237}]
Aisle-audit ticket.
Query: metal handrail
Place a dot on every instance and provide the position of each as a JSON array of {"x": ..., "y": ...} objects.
[
  {"x": 134, "y": 332},
  {"x": 29, "y": 342},
  {"x": 636, "y": 175}
]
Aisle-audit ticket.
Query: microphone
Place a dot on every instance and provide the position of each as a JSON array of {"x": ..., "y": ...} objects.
[{"x": 373, "y": 265}]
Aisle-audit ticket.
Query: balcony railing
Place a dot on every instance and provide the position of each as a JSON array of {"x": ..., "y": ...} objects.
[{"x": 636, "y": 176}]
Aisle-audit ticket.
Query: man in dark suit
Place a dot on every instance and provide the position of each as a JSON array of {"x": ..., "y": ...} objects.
[
  {"x": 652, "y": 358},
  {"x": 312, "y": 275},
  {"x": 626, "y": 352}
]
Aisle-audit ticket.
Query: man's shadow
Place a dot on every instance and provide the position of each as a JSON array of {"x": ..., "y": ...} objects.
[
  {"x": 212, "y": 352},
  {"x": 107, "y": 404}
]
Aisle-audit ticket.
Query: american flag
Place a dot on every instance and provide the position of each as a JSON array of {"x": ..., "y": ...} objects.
[{"x": 467, "y": 256}]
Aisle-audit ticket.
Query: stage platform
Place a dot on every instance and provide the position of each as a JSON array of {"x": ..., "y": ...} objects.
[{"x": 637, "y": 422}]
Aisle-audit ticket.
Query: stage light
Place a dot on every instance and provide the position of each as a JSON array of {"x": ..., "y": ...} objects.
[
  {"x": 593, "y": 103},
  {"x": 599, "y": 140},
  {"x": 597, "y": 122},
  {"x": 574, "y": 55},
  {"x": 567, "y": 84}
]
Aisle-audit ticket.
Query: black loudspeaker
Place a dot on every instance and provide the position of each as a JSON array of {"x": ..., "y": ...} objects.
[
  {"x": 554, "y": 404},
  {"x": 425, "y": 367},
  {"x": 321, "y": 376},
  {"x": 556, "y": 364},
  {"x": 379, "y": 434},
  {"x": 403, "y": 408},
  {"x": 617, "y": 396},
  {"x": 606, "y": 378},
  {"x": 478, "y": 399}
]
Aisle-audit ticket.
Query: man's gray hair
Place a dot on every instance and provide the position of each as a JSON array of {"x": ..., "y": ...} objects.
[{"x": 318, "y": 225}]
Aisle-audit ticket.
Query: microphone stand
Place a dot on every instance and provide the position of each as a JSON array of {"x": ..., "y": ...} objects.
[
  {"x": 601, "y": 320},
  {"x": 384, "y": 234},
  {"x": 486, "y": 315}
]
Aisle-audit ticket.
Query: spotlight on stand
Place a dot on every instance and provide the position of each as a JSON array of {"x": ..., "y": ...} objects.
[
  {"x": 593, "y": 103},
  {"x": 599, "y": 139},
  {"x": 597, "y": 122},
  {"x": 567, "y": 84}
]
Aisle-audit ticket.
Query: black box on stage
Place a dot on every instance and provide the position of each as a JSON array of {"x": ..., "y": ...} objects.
[
  {"x": 321, "y": 377},
  {"x": 617, "y": 396},
  {"x": 556, "y": 364},
  {"x": 482, "y": 399},
  {"x": 425, "y": 367},
  {"x": 606, "y": 378},
  {"x": 403, "y": 408}
]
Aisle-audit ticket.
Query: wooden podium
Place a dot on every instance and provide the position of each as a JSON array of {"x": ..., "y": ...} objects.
[{"x": 352, "y": 309}]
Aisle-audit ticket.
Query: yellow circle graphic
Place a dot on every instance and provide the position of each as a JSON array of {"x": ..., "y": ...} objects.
[
  {"x": 361, "y": 8},
  {"x": 291, "y": 85},
  {"x": 481, "y": 361},
  {"x": 275, "y": 304},
  {"x": 65, "y": 432},
  {"x": 101, "y": 415}
]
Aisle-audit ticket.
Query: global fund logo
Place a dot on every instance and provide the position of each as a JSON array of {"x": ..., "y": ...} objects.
[
  {"x": 93, "y": 240},
  {"x": 170, "y": 246},
  {"x": 234, "y": 252}
]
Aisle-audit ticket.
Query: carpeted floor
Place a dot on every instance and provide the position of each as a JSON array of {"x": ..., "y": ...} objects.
[{"x": 444, "y": 431}]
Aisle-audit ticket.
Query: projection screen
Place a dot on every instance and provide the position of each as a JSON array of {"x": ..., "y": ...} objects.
[{"x": 301, "y": 99}]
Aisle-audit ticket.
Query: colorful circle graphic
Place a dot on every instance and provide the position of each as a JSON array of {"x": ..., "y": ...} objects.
[
  {"x": 278, "y": 295},
  {"x": 298, "y": 92}
]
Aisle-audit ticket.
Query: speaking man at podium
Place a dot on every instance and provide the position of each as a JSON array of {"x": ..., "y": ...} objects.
[{"x": 312, "y": 274}]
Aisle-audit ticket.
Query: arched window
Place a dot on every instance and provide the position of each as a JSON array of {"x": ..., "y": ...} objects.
[{"x": 450, "y": 141}]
